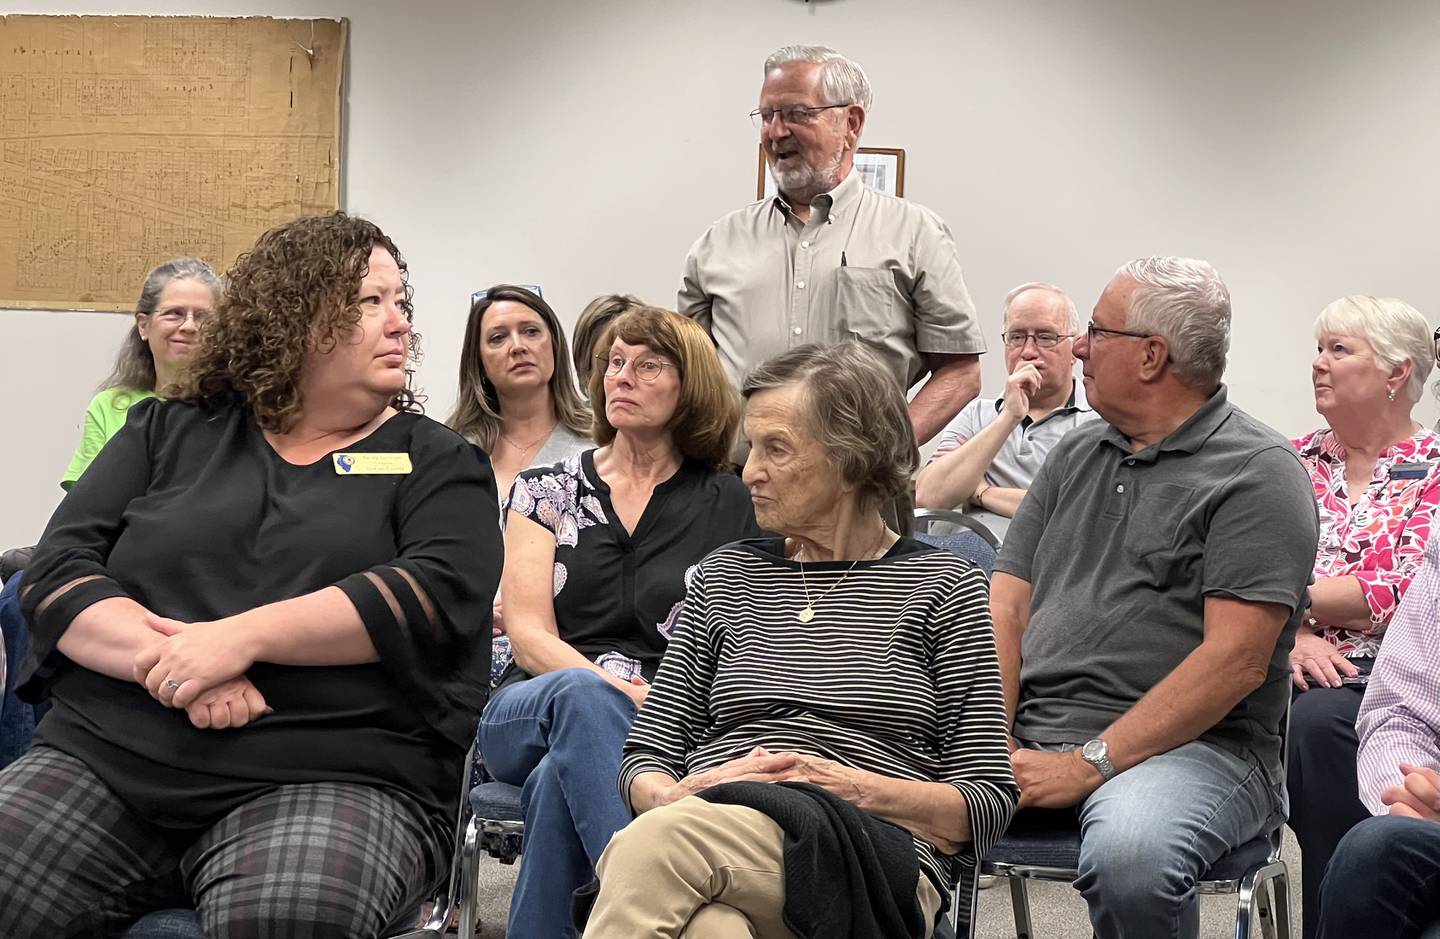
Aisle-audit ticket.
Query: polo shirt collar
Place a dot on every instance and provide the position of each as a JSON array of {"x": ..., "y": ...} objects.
[
  {"x": 1187, "y": 438},
  {"x": 830, "y": 207}
]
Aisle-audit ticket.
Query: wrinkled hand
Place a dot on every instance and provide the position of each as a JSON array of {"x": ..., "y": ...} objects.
[
  {"x": 1418, "y": 796},
  {"x": 827, "y": 774},
  {"x": 1314, "y": 656},
  {"x": 497, "y": 619},
  {"x": 198, "y": 657},
  {"x": 1053, "y": 780},
  {"x": 233, "y": 703},
  {"x": 759, "y": 765},
  {"x": 1020, "y": 387}
]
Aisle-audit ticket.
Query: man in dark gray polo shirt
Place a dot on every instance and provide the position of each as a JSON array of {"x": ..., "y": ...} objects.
[{"x": 1145, "y": 602}]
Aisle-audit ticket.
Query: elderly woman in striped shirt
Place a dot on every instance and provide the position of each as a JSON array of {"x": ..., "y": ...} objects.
[{"x": 839, "y": 655}]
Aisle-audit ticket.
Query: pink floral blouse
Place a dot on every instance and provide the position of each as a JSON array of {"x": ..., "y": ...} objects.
[{"x": 1379, "y": 537}]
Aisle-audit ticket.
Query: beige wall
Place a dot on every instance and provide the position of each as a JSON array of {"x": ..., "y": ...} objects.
[{"x": 583, "y": 145}]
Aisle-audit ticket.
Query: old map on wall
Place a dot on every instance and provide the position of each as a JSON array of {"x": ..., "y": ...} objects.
[{"x": 128, "y": 140}]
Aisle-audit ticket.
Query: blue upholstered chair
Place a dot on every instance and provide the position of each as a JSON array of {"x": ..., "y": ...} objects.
[
  {"x": 1254, "y": 872},
  {"x": 958, "y": 533}
]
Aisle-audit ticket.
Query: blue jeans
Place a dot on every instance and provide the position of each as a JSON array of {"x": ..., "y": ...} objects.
[
  {"x": 559, "y": 736},
  {"x": 17, "y": 719},
  {"x": 1383, "y": 880},
  {"x": 1148, "y": 835}
]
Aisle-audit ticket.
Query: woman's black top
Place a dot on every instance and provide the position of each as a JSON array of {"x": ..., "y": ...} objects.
[
  {"x": 191, "y": 513},
  {"x": 618, "y": 591}
]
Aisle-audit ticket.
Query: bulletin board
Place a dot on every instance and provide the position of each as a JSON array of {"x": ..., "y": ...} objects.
[{"x": 129, "y": 140}]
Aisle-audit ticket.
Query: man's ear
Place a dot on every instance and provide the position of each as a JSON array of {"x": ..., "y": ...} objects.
[
  {"x": 854, "y": 124},
  {"x": 1156, "y": 358}
]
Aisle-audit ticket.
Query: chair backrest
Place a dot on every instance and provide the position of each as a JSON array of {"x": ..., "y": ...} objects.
[
  {"x": 967, "y": 544},
  {"x": 949, "y": 521}
]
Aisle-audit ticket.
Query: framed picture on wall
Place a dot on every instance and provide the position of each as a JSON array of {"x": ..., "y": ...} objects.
[{"x": 882, "y": 168}]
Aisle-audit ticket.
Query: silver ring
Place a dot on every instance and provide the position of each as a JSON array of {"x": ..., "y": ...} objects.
[{"x": 171, "y": 683}]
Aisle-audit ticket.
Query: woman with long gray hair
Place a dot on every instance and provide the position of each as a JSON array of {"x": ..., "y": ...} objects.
[{"x": 174, "y": 301}]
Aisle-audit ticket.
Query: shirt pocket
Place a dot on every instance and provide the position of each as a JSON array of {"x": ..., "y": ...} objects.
[
  {"x": 1154, "y": 521},
  {"x": 869, "y": 301}
]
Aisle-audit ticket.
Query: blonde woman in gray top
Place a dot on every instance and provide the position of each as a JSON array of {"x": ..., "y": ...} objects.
[{"x": 517, "y": 399}]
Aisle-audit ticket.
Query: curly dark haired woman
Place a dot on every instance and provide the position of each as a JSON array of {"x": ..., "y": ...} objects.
[{"x": 263, "y": 622}]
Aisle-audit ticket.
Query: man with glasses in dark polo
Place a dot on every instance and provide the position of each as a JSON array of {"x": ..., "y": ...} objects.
[
  {"x": 830, "y": 259},
  {"x": 1145, "y": 602},
  {"x": 990, "y": 453}
]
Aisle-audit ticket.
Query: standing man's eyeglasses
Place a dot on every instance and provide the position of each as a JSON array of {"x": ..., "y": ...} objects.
[
  {"x": 795, "y": 115},
  {"x": 1436, "y": 338}
]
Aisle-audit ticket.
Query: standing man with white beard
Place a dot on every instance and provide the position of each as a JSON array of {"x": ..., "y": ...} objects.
[{"x": 830, "y": 259}]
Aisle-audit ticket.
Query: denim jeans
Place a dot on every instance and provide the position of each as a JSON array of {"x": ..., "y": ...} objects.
[
  {"x": 167, "y": 924},
  {"x": 1383, "y": 880},
  {"x": 17, "y": 719},
  {"x": 1148, "y": 835},
  {"x": 559, "y": 737}
]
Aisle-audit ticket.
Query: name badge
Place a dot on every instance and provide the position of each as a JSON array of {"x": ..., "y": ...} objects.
[
  {"x": 371, "y": 464},
  {"x": 1409, "y": 470}
]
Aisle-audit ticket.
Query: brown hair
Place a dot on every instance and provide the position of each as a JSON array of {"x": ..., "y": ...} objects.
[
  {"x": 708, "y": 412},
  {"x": 297, "y": 289},
  {"x": 135, "y": 364},
  {"x": 477, "y": 407},
  {"x": 857, "y": 412},
  {"x": 591, "y": 325}
]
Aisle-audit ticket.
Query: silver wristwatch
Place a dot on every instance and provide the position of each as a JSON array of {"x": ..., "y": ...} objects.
[{"x": 1097, "y": 753}]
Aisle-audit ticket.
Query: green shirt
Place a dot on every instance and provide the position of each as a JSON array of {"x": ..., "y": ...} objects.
[{"x": 103, "y": 419}]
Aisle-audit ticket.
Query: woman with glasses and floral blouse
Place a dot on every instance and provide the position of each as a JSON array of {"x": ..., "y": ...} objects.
[
  {"x": 598, "y": 552},
  {"x": 1376, "y": 475}
]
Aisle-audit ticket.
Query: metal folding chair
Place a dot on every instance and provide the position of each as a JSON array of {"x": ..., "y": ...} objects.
[{"x": 456, "y": 896}]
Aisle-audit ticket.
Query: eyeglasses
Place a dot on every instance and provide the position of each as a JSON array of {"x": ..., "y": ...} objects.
[
  {"x": 1091, "y": 329},
  {"x": 647, "y": 370},
  {"x": 1016, "y": 339},
  {"x": 796, "y": 115},
  {"x": 178, "y": 317},
  {"x": 1436, "y": 338}
]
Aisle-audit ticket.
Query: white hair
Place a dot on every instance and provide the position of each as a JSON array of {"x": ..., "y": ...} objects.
[
  {"x": 1072, "y": 316},
  {"x": 1396, "y": 331},
  {"x": 841, "y": 80},
  {"x": 1184, "y": 302}
]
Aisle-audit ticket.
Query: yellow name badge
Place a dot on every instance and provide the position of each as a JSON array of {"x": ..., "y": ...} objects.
[{"x": 371, "y": 464}]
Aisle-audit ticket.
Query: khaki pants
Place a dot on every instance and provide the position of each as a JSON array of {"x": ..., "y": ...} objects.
[{"x": 698, "y": 870}]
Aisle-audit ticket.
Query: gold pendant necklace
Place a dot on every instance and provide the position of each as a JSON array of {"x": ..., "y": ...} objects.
[
  {"x": 525, "y": 450},
  {"x": 808, "y": 612}
]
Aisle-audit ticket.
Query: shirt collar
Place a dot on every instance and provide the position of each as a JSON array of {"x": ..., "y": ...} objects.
[
  {"x": 830, "y": 207},
  {"x": 1187, "y": 438}
]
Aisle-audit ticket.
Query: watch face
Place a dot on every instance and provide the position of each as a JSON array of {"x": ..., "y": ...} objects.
[{"x": 1093, "y": 749}]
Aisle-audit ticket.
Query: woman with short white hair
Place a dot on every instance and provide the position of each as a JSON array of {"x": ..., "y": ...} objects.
[{"x": 1376, "y": 474}]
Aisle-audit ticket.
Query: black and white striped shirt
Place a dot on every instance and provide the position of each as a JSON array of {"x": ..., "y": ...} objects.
[{"x": 896, "y": 674}]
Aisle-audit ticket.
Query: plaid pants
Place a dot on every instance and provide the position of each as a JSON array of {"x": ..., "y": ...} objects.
[{"x": 312, "y": 860}]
